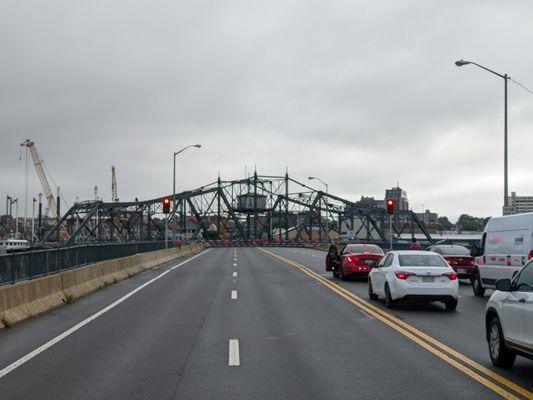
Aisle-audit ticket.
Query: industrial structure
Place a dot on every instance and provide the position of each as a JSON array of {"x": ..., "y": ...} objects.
[
  {"x": 265, "y": 207},
  {"x": 114, "y": 190},
  {"x": 52, "y": 206}
]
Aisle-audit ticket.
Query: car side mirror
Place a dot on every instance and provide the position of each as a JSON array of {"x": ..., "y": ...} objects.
[{"x": 504, "y": 285}]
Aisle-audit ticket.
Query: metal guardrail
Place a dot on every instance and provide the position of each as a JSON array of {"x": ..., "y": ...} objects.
[
  {"x": 32, "y": 264},
  {"x": 259, "y": 243}
]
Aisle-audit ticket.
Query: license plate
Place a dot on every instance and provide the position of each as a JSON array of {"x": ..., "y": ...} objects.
[
  {"x": 461, "y": 270},
  {"x": 428, "y": 279},
  {"x": 369, "y": 262}
]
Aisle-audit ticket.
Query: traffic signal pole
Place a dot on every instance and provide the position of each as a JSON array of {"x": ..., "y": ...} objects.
[
  {"x": 166, "y": 211},
  {"x": 390, "y": 231},
  {"x": 390, "y": 210},
  {"x": 166, "y": 231}
]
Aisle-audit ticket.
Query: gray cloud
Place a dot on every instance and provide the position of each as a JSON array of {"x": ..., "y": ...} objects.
[{"x": 363, "y": 94}]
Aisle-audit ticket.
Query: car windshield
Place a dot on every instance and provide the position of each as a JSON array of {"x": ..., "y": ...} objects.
[
  {"x": 421, "y": 260},
  {"x": 364, "y": 248},
  {"x": 453, "y": 251}
]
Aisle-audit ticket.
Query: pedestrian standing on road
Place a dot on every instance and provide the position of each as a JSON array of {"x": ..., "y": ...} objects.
[{"x": 415, "y": 245}]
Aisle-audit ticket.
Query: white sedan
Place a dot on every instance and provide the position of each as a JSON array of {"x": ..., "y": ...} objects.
[
  {"x": 414, "y": 275},
  {"x": 509, "y": 318}
]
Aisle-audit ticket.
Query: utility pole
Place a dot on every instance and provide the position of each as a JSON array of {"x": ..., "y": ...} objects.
[
  {"x": 33, "y": 222},
  {"x": 17, "y": 218},
  {"x": 40, "y": 223}
]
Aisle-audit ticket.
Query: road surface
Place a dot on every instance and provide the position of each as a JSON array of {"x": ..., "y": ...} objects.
[{"x": 248, "y": 324}]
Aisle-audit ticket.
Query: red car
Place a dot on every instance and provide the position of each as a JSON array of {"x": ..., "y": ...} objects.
[
  {"x": 458, "y": 257},
  {"x": 353, "y": 260}
]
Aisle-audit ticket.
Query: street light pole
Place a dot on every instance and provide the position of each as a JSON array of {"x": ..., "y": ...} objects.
[
  {"x": 505, "y": 78},
  {"x": 174, "y": 175},
  {"x": 505, "y": 156}
]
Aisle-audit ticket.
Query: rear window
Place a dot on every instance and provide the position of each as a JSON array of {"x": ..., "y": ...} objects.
[
  {"x": 453, "y": 250},
  {"x": 421, "y": 260},
  {"x": 362, "y": 248}
]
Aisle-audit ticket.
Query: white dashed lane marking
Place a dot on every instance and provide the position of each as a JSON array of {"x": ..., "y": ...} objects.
[{"x": 234, "y": 356}]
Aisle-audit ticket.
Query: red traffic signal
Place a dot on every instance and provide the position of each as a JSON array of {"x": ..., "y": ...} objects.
[
  {"x": 166, "y": 205},
  {"x": 390, "y": 206}
]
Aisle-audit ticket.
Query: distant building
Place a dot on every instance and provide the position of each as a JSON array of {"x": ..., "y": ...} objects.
[
  {"x": 400, "y": 198},
  {"x": 370, "y": 202},
  {"x": 518, "y": 204},
  {"x": 428, "y": 217}
]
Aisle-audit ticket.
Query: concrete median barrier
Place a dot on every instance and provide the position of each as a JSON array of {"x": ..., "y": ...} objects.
[{"x": 28, "y": 298}]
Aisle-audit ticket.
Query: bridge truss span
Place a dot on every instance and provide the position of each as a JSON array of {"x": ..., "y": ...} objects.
[{"x": 266, "y": 207}]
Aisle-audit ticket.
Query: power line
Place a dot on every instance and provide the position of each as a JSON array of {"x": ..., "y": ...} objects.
[{"x": 522, "y": 86}]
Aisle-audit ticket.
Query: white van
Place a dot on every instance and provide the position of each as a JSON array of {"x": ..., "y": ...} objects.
[{"x": 506, "y": 245}]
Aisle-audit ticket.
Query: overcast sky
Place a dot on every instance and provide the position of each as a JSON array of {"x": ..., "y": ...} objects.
[{"x": 363, "y": 94}]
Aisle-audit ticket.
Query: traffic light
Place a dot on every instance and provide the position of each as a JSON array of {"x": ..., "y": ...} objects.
[
  {"x": 390, "y": 206},
  {"x": 166, "y": 205}
]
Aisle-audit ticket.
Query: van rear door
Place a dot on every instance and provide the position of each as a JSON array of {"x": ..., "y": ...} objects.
[{"x": 504, "y": 254}]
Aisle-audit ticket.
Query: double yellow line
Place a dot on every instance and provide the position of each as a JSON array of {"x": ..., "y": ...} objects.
[{"x": 500, "y": 384}]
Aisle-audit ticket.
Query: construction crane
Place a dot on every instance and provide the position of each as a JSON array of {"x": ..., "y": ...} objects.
[
  {"x": 114, "y": 192},
  {"x": 38, "y": 163}
]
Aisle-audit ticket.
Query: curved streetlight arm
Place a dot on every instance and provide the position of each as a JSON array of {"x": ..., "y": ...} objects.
[
  {"x": 185, "y": 148},
  {"x": 462, "y": 62},
  {"x": 320, "y": 180}
]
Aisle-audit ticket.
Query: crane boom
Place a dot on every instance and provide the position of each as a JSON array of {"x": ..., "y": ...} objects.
[
  {"x": 114, "y": 192},
  {"x": 37, "y": 162}
]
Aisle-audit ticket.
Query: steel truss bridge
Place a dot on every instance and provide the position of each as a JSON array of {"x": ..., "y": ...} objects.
[{"x": 273, "y": 208}]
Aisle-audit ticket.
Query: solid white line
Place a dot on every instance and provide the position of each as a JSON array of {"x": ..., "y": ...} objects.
[
  {"x": 235, "y": 273},
  {"x": 80, "y": 325},
  {"x": 234, "y": 358},
  {"x": 233, "y": 295}
]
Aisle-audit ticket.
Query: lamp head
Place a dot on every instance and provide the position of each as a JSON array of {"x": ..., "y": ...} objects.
[{"x": 460, "y": 63}]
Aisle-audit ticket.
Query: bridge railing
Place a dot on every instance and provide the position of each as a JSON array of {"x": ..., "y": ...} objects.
[{"x": 32, "y": 264}]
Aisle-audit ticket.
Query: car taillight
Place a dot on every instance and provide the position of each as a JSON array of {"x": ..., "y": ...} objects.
[
  {"x": 403, "y": 274},
  {"x": 530, "y": 255},
  {"x": 451, "y": 275},
  {"x": 354, "y": 259},
  {"x": 472, "y": 262}
]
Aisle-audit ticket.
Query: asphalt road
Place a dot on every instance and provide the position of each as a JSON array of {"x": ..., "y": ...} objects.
[{"x": 249, "y": 326}]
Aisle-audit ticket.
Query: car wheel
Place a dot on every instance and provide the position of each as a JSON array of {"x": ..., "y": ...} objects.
[
  {"x": 389, "y": 302},
  {"x": 371, "y": 294},
  {"x": 342, "y": 276},
  {"x": 500, "y": 355},
  {"x": 477, "y": 287},
  {"x": 451, "y": 305}
]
